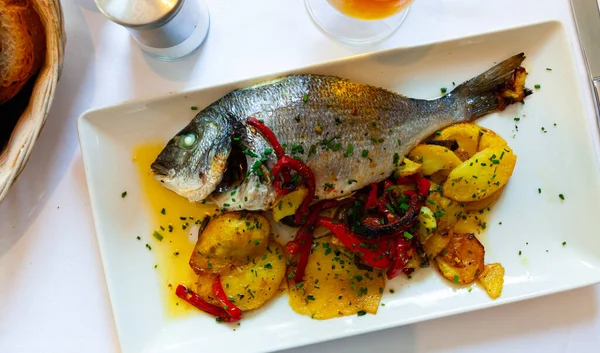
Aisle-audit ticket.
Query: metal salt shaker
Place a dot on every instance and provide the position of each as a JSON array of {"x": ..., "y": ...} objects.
[{"x": 165, "y": 29}]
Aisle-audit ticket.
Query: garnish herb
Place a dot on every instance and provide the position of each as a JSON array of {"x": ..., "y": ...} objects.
[
  {"x": 157, "y": 235},
  {"x": 123, "y": 194}
]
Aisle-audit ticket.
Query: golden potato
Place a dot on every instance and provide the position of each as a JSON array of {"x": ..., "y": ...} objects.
[
  {"x": 440, "y": 176},
  {"x": 333, "y": 286},
  {"x": 492, "y": 279},
  {"x": 490, "y": 139},
  {"x": 437, "y": 242},
  {"x": 469, "y": 223},
  {"x": 249, "y": 286},
  {"x": 462, "y": 259},
  {"x": 289, "y": 203},
  {"x": 466, "y": 135},
  {"x": 481, "y": 175},
  {"x": 408, "y": 168},
  {"x": 483, "y": 203},
  {"x": 427, "y": 223},
  {"x": 229, "y": 240},
  {"x": 434, "y": 158},
  {"x": 445, "y": 210}
]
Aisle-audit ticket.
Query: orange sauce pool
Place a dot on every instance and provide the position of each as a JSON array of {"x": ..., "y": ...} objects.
[
  {"x": 177, "y": 226},
  {"x": 370, "y": 9}
]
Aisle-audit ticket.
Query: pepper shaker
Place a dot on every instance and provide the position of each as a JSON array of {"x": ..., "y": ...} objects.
[{"x": 165, "y": 29}]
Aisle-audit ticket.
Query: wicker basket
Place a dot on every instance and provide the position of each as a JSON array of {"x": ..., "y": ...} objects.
[{"x": 16, "y": 153}]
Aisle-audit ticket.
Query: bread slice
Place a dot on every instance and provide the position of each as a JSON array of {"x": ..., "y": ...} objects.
[{"x": 22, "y": 45}]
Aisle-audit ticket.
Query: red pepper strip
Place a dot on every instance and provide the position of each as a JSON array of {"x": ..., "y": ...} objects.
[
  {"x": 405, "y": 181},
  {"x": 303, "y": 240},
  {"x": 409, "y": 193},
  {"x": 234, "y": 312},
  {"x": 302, "y": 261},
  {"x": 376, "y": 257},
  {"x": 194, "y": 299},
  {"x": 304, "y": 233},
  {"x": 387, "y": 184},
  {"x": 372, "y": 198},
  {"x": 306, "y": 174},
  {"x": 401, "y": 257},
  {"x": 270, "y": 136},
  {"x": 423, "y": 185}
]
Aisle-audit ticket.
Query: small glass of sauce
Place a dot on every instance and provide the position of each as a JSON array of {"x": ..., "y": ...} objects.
[{"x": 165, "y": 29}]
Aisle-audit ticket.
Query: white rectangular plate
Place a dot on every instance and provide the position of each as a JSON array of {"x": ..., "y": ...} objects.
[{"x": 559, "y": 161}]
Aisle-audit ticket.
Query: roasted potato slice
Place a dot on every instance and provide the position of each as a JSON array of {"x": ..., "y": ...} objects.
[
  {"x": 483, "y": 203},
  {"x": 333, "y": 286},
  {"x": 434, "y": 158},
  {"x": 492, "y": 279},
  {"x": 289, "y": 203},
  {"x": 408, "y": 168},
  {"x": 481, "y": 175},
  {"x": 445, "y": 210},
  {"x": 490, "y": 139},
  {"x": 229, "y": 240},
  {"x": 427, "y": 223},
  {"x": 440, "y": 176},
  {"x": 249, "y": 286},
  {"x": 469, "y": 223},
  {"x": 466, "y": 135},
  {"x": 437, "y": 242},
  {"x": 462, "y": 260}
]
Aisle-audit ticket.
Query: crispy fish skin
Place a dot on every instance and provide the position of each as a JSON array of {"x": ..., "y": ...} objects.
[{"x": 348, "y": 133}]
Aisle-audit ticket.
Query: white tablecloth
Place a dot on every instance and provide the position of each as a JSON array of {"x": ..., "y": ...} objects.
[{"x": 53, "y": 296}]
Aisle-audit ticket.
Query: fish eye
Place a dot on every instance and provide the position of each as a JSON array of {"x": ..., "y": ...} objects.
[{"x": 187, "y": 141}]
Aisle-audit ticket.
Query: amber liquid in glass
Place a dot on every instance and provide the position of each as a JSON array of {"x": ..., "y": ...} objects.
[{"x": 370, "y": 9}]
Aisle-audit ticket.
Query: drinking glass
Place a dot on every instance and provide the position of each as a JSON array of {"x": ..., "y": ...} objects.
[{"x": 358, "y": 21}]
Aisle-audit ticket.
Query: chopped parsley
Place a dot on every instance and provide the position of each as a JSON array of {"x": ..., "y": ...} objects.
[
  {"x": 361, "y": 313},
  {"x": 365, "y": 153},
  {"x": 562, "y": 197},
  {"x": 193, "y": 107},
  {"x": 537, "y": 86},
  {"x": 123, "y": 194},
  {"x": 349, "y": 151},
  {"x": 158, "y": 236},
  {"x": 443, "y": 89},
  {"x": 456, "y": 279}
]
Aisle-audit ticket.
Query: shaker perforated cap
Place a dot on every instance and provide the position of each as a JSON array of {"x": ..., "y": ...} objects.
[
  {"x": 140, "y": 13},
  {"x": 154, "y": 23}
]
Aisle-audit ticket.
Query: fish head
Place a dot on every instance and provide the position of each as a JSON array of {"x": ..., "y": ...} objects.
[{"x": 193, "y": 162}]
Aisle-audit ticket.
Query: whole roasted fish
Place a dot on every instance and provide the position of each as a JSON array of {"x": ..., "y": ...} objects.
[{"x": 350, "y": 134}]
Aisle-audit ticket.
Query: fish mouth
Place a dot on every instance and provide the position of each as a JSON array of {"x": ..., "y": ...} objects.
[{"x": 159, "y": 169}]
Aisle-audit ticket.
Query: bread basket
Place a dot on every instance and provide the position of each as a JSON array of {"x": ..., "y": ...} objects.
[{"x": 15, "y": 154}]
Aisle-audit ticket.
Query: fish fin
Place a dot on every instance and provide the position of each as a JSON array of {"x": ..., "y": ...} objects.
[{"x": 480, "y": 94}]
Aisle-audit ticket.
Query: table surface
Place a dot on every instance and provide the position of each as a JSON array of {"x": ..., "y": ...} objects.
[{"x": 53, "y": 296}]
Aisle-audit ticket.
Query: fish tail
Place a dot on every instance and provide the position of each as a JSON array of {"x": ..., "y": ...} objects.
[{"x": 480, "y": 95}]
